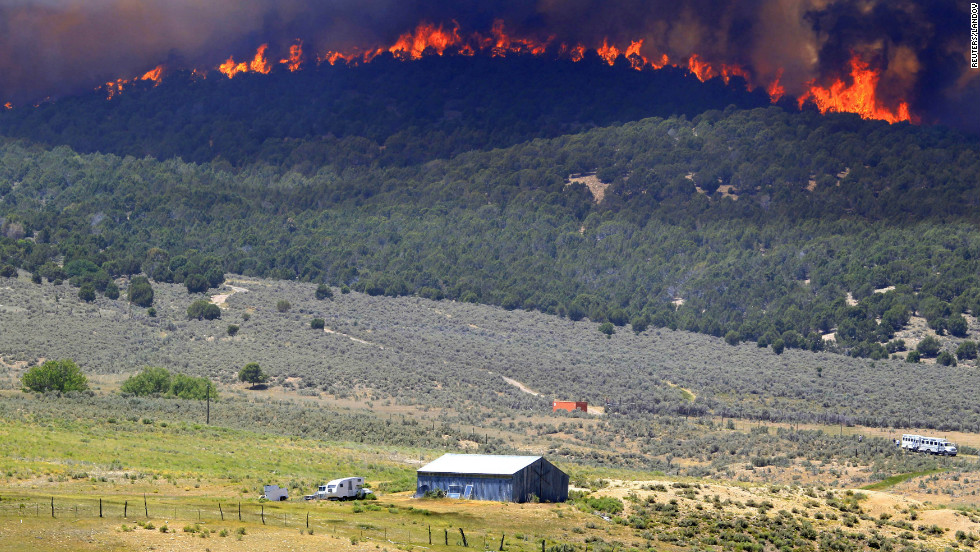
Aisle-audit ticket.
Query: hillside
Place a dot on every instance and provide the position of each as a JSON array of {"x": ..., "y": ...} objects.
[
  {"x": 425, "y": 353},
  {"x": 703, "y": 444},
  {"x": 431, "y": 108},
  {"x": 757, "y": 224}
]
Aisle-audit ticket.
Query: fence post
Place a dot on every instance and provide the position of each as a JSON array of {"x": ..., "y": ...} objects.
[
  {"x": 239, "y": 511},
  {"x": 501, "y": 549},
  {"x": 307, "y": 520},
  {"x": 100, "y": 507},
  {"x": 146, "y": 510},
  {"x": 52, "y": 506},
  {"x": 222, "y": 512},
  {"x": 542, "y": 545},
  {"x": 430, "y": 535},
  {"x": 263, "y": 514},
  {"x": 464, "y": 536},
  {"x": 447, "y": 536},
  {"x": 125, "y": 508}
]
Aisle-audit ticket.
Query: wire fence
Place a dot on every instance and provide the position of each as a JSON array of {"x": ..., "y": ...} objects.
[{"x": 177, "y": 513}]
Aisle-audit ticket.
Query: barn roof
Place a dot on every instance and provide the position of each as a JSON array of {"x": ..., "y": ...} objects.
[{"x": 482, "y": 464}]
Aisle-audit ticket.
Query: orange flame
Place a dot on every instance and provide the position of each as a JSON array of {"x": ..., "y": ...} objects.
[
  {"x": 701, "y": 69},
  {"x": 295, "y": 59},
  {"x": 860, "y": 97},
  {"x": 259, "y": 64},
  {"x": 427, "y": 38},
  {"x": 426, "y": 35},
  {"x": 8, "y": 105},
  {"x": 154, "y": 74},
  {"x": 608, "y": 52},
  {"x": 775, "y": 89}
]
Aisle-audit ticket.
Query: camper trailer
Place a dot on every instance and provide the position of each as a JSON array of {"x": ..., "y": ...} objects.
[
  {"x": 341, "y": 489},
  {"x": 274, "y": 492},
  {"x": 932, "y": 445}
]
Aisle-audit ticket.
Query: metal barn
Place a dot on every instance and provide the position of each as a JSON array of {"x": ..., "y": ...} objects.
[{"x": 492, "y": 477}]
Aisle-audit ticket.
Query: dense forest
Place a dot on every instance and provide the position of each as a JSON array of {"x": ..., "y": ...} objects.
[
  {"x": 750, "y": 223},
  {"x": 386, "y": 112}
]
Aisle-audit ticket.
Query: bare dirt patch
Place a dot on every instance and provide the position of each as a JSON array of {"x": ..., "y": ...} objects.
[{"x": 592, "y": 182}]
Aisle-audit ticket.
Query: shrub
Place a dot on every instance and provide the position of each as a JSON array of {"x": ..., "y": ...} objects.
[
  {"x": 946, "y": 358},
  {"x": 112, "y": 291},
  {"x": 929, "y": 347},
  {"x": 151, "y": 312},
  {"x": 317, "y": 323},
  {"x": 283, "y": 305},
  {"x": 8, "y": 271},
  {"x": 731, "y": 338},
  {"x": 87, "y": 292},
  {"x": 140, "y": 291},
  {"x": 967, "y": 350},
  {"x": 232, "y": 330},
  {"x": 55, "y": 375},
  {"x": 150, "y": 381},
  {"x": 203, "y": 309},
  {"x": 778, "y": 346},
  {"x": 196, "y": 283},
  {"x": 323, "y": 291},
  {"x": 913, "y": 357},
  {"x": 607, "y": 328}
]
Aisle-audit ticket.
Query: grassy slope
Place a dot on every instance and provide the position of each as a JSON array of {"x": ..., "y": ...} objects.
[{"x": 417, "y": 351}]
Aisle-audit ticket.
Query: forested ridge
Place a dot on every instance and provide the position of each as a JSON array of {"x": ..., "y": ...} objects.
[{"x": 761, "y": 221}]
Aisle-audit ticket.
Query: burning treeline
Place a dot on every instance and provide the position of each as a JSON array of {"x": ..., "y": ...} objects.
[{"x": 855, "y": 90}]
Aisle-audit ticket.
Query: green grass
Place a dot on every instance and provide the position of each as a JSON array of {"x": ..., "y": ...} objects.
[{"x": 890, "y": 482}]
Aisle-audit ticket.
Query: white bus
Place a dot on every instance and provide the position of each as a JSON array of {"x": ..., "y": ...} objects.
[{"x": 932, "y": 445}]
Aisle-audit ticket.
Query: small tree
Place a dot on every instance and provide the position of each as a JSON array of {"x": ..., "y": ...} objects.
[
  {"x": 607, "y": 328},
  {"x": 232, "y": 330},
  {"x": 55, "y": 375},
  {"x": 150, "y": 381},
  {"x": 946, "y": 358},
  {"x": 203, "y": 310},
  {"x": 778, "y": 346},
  {"x": 317, "y": 323},
  {"x": 252, "y": 374},
  {"x": 913, "y": 357},
  {"x": 140, "y": 292},
  {"x": 323, "y": 291},
  {"x": 8, "y": 271},
  {"x": 87, "y": 292},
  {"x": 731, "y": 338},
  {"x": 957, "y": 325},
  {"x": 283, "y": 305},
  {"x": 640, "y": 324},
  {"x": 967, "y": 350},
  {"x": 196, "y": 283},
  {"x": 112, "y": 291},
  {"x": 929, "y": 347}
]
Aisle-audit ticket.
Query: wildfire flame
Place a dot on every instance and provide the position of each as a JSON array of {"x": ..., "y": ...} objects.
[
  {"x": 259, "y": 64},
  {"x": 8, "y": 105},
  {"x": 295, "y": 59},
  {"x": 860, "y": 96}
]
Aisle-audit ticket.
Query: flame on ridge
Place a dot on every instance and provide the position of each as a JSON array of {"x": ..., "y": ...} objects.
[{"x": 860, "y": 96}]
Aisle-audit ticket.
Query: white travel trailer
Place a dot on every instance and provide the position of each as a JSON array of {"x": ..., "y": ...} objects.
[
  {"x": 274, "y": 492},
  {"x": 932, "y": 445},
  {"x": 341, "y": 489}
]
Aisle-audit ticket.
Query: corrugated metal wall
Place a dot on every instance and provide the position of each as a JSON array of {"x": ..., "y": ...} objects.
[
  {"x": 500, "y": 489},
  {"x": 541, "y": 479}
]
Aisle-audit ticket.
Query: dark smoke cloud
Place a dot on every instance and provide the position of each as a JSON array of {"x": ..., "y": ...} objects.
[{"x": 54, "y": 47}]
